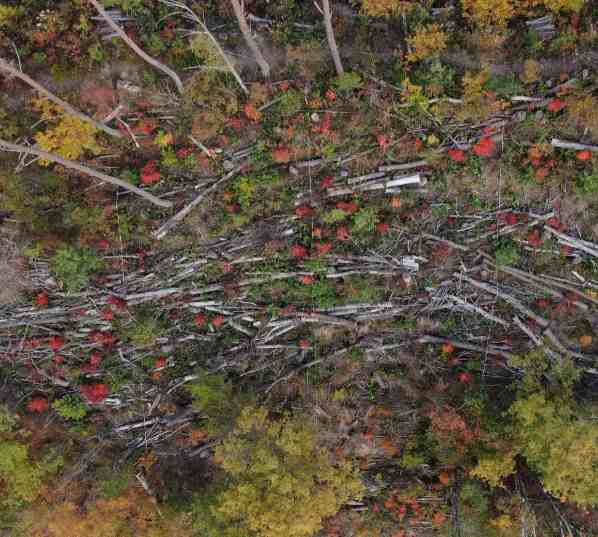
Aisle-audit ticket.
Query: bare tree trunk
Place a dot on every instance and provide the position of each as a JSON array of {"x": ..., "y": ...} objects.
[
  {"x": 7, "y": 146},
  {"x": 152, "y": 61},
  {"x": 13, "y": 71},
  {"x": 336, "y": 57},
  {"x": 257, "y": 54}
]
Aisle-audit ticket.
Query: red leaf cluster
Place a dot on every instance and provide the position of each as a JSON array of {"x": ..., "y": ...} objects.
[
  {"x": 117, "y": 302},
  {"x": 555, "y": 223},
  {"x": 42, "y": 299},
  {"x": 323, "y": 248},
  {"x": 343, "y": 233},
  {"x": 160, "y": 362},
  {"x": 218, "y": 321},
  {"x": 382, "y": 228},
  {"x": 556, "y": 105},
  {"x": 383, "y": 141},
  {"x": 281, "y": 155},
  {"x": 534, "y": 238},
  {"x": 150, "y": 173},
  {"x": 299, "y": 251},
  {"x": 307, "y": 279},
  {"x": 327, "y": 182},
  {"x": 95, "y": 393},
  {"x": 200, "y": 320},
  {"x": 303, "y": 211},
  {"x": 456, "y": 155},
  {"x": 485, "y": 147},
  {"x": 38, "y": 405},
  {"x": 56, "y": 343},
  {"x": 584, "y": 155},
  {"x": 508, "y": 218},
  {"x": 348, "y": 207}
]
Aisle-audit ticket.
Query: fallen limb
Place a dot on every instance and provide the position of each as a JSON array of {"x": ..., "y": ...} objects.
[
  {"x": 507, "y": 298},
  {"x": 173, "y": 222},
  {"x": 255, "y": 50},
  {"x": 13, "y": 71},
  {"x": 336, "y": 57},
  {"x": 7, "y": 146},
  {"x": 467, "y": 346},
  {"x": 140, "y": 52},
  {"x": 582, "y": 245},
  {"x": 563, "y": 144}
]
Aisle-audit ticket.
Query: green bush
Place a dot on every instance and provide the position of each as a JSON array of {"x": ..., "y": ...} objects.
[
  {"x": 507, "y": 253},
  {"x": 75, "y": 266},
  {"x": 70, "y": 407}
]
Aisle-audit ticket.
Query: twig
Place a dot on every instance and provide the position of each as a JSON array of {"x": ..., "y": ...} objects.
[
  {"x": 450, "y": 243},
  {"x": 122, "y": 34},
  {"x": 173, "y": 222},
  {"x": 7, "y": 146},
  {"x": 7, "y": 67}
]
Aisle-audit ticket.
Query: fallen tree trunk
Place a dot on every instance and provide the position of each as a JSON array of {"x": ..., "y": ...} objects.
[
  {"x": 140, "y": 52},
  {"x": 13, "y": 71},
  {"x": 7, "y": 146}
]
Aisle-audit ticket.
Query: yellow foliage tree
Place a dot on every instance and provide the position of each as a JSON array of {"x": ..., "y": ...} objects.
[
  {"x": 493, "y": 468},
  {"x": 426, "y": 43},
  {"x": 489, "y": 13},
  {"x": 560, "y": 5},
  {"x": 67, "y": 136},
  {"x": 584, "y": 111},
  {"x": 281, "y": 483},
  {"x": 385, "y": 8},
  {"x": 561, "y": 447}
]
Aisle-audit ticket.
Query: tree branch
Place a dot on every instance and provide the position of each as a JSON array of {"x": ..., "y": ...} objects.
[
  {"x": 7, "y": 146},
  {"x": 13, "y": 71},
  {"x": 152, "y": 61}
]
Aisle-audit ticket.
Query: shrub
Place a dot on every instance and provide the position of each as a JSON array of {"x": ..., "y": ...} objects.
[
  {"x": 68, "y": 136},
  {"x": 427, "y": 43},
  {"x": 489, "y": 13},
  {"x": 494, "y": 467},
  {"x": 348, "y": 82},
  {"x": 385, "y": 8},
  {"x": 70, "y": 407},
  {"x": 281, "y": 484},
  {"x": 507, "y": 253},
  {"x": 365, "y": 220},
  {"x": 75, "y": 266}
]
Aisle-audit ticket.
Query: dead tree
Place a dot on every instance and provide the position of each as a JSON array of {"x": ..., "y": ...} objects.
[
  {"x": 336, "y": 57},
  {"x": 12, "y": 71},
  {"x": 190, "y": 15},
  {"x": 122, "y": 34},
  {"x": 15, "y": 148},
  {"x": 257, "y": 54}
]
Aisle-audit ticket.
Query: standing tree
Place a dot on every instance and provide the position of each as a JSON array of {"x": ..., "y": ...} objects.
[{"x": 257, "y": 54}]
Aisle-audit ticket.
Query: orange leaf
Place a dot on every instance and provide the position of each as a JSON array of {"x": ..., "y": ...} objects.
[
  {"x": 252, "y": 113},
  {"x": 585, "y": 341}
]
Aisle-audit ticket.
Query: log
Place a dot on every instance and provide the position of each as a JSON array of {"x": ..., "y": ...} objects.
[
  {"x": 563, "y": 144},
  {"x": 7, "y": 146}
]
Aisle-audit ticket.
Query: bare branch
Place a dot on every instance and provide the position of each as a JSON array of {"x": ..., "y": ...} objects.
[
  {"x": 563, "y": 144},
  {"x": 13, "y": 71},
  {"x": 122, "y": 34},
  {"x": 7, "y": 146}
]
